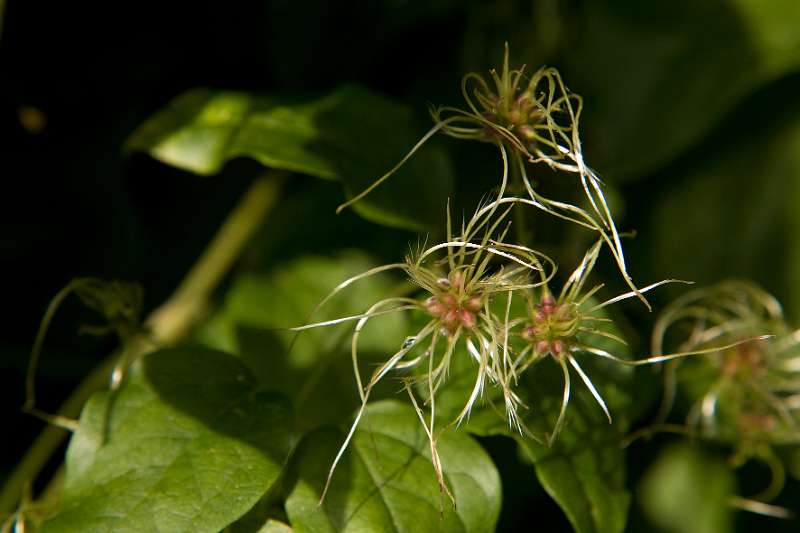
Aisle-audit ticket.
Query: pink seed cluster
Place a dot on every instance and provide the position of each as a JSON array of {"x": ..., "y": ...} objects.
[
  {"x": 744, "y": 362},
  {"x": 756, "y": 423},
  {"x": 453, "y": 306},
  {"x": 550, "y": 327}
]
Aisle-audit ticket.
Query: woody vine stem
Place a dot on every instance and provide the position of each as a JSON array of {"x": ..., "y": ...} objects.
[{"x": 166, "y": 325}]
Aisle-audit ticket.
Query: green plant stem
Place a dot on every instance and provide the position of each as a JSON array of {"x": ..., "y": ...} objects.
[
  {"x": 522, "y": 232},
  {"x": 166, "y": 324},
  {"x": 169, "y": 321},
  {"x": 2, "y": 15},
  {"x": 30, "y": 384}
]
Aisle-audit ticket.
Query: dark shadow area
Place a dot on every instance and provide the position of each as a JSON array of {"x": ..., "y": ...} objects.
[
  {"x": 655, "y": 77},
  {"x": 521, "y": 490},
  {"x": 309, "y": 224},
  {"x": 740, "y": 223}
]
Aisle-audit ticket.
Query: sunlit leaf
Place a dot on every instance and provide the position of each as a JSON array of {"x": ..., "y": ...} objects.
[
  {"x": 386, "y": 481},
  {"x": 273, "y": 526},
  {"x": 352, "y": 135},
  {"x": 187, "y": 444}
]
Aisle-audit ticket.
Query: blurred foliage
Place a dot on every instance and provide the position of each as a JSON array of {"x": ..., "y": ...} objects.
[
  {"x": 313, "y": 366},
  {"x": 692, "y": 63},
  {"x": 739, "y": 233},
  {"x": 686, "y": 491},
  {"x": 691, "y": 115}
]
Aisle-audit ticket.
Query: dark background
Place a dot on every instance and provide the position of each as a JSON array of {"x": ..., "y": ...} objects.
[{"x": 691, "y": 118}]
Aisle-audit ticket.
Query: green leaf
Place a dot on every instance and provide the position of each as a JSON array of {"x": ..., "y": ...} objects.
[
  {"x": 318, "y": 367},
  {"x": 188, "y": 443},
  {"x": 584, "y": 470},
  {"x": 386, "y": 482},
  {"x": 686, "y": 491},
  {"x": 657, "y": 77},
  {"x": 273, "y": 526},
  {"x": 351, "y": 135}
]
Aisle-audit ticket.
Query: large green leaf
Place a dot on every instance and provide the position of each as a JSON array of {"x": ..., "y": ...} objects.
[
  {"x": 188, "y": 443},
  {"x": 658, "y": 76},
  {"x": 386, "y": 482},
  {"x": 351, "y": 135},
  {"x": 686, "y": 491},
  {"x": 318, "y": 367}
]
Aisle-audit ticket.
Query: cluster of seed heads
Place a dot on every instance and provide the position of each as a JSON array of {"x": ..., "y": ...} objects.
[
  {"x": 471, "y": 280},
  {"x": 752, "y": 401}
]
